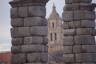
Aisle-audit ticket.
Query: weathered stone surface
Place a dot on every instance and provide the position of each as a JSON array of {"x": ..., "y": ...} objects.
[
  {"x": 78, "y": 6},
  {"x": 89, "y": 63},
  {"x": 66, "y": 25},
  {"x": 77, "y": 24},
  {"x": 77, "y": 48},
  {"x": 35, "y": 21},
  {"x": 89, "y": 48},
  {"x": 23, "y": 11},
  {"x": 33, "y": 57},
  {"x": 44, "y": 48},
  {"x": 67, "y": 49},
  {"x": 35, "y": 63},
  {"x": 84, "y": 39},
  {"x": 68, "y": 40},
  {"x": 84, "y": 15},
  {"x": 14, "y": 12},
  {"x": 16, "y": 58},
  {"x": 72, "y": 24},
  {"x": 84, "y": 31},
  {"x": 33, "y": 48},
  {"x": 17, "y": 41},
  {"x": 77, "y": 1},
  {"x": 37, "y": 57},
  {"x": 16, "y": 49},
  {"x": 86, "y": 57},
  {"x": 68, "y": 16},
  {"x": 37, "y": 11},
  {"x": 39, "y": 30},
  {"x": 45, "y": 40},
  {"x": 44, "y": 57},
  {"x": 69, "y": 32},
  {"x": 33, "y": 40},
  {"x": 68, "y": 57},
  {"x": 20, "y": 31},
  {"x": 17, "y": 22},
  {"x": 87, "y": 23}
]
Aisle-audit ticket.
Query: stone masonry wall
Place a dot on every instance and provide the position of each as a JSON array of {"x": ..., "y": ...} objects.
[
  {"x": 79, "y": 24},
  {"x": 29, "y": 31}
]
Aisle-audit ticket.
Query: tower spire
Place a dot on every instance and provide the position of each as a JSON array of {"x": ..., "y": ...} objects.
[
  {"x": 54, "y": 5},
  {"x": 54, "y": 14}
]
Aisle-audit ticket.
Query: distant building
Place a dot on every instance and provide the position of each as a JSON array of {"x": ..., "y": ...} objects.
[
  {"x": 55, "y": 33},
  {"x": 5, "y": 58}
]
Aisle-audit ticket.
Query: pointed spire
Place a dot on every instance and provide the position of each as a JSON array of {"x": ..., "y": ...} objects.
[
  {"x": 54, "y": 14},
  {"x": 54, "y": 5}
]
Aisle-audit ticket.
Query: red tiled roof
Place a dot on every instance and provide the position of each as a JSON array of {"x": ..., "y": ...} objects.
[{"x": 5, "y": 57}]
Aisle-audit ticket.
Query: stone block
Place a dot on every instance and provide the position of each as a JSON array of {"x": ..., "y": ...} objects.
[
  {"x": 66, "y": 25},
  {"x": 86, "y": 6},
  {"x": 68, "y": 1},
  {"x": 44, "y": 48},
  {"x": 89, "y": 48},
  {"x": 69, "y": 32},
  {"x": 86, "y": 57},
  {"x": 16, "y": 49},
  {"x": 33, "y": 57},
  {"x": 71, "y": 25},
  {"x": 20, "y": 31},
  {"x": 89, "y": 63},
  {"x": 68, "y": 40},
  {"x": 45, "y": 40},
  {"x": 14, "y": 12},
  {"x": 84, "y": 31},
  {"x": 70, "y": 7},
  {"x": 78, "y": 15},
  {"x": 67, "y": 49},
  {"x": 33, "y": 40},
  {"x": 68, "y": 57},
  {"x": 89, "y": 15},
  {"x": 84, "y": 15},
  {"x": 17, "y": 22},
  {"x": 77, "y": 1},
  {"x": 17, "y": 41},
  {"x": 33, "y": 48},
  {"x": 37, "y": 11},
  {"x": 77, "y": 48},
  {"x": 35, "y": 63},
  {"x": 16, "y": 58},
  {"x": 77, "y": 24},
  {"x": 39, "y": 30},
  {"x": 44, "y": 57},
  {"x": 67, "y": 16},
  {"x": 23, "y": 12},
  {"x": 87, "y": 23},
  {"x": 84, "y": 39},
  {"x": 35, "y": 21}
]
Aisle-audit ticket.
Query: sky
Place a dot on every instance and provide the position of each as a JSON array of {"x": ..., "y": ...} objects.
[{"x": 5, "y": 38}]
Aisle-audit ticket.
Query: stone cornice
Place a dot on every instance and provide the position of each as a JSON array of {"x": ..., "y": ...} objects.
[{"x": 28, "y": 3}]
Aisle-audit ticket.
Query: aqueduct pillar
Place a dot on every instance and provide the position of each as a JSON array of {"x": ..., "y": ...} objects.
[
  {"x": 79, "y": 25},
  {"x": 29, "y": 31}
]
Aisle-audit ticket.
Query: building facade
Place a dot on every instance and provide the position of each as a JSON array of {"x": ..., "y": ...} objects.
[{"x": 55, "y": 32}]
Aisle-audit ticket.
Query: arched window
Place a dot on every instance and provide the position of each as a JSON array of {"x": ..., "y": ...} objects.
[
  {"x": 55, "y": 36},
  {"x": 52, "y": 25},
  {"x": 51, "y": 37}
]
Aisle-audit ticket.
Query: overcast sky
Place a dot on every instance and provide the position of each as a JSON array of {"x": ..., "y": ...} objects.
[{"x": 5, "y": 38}]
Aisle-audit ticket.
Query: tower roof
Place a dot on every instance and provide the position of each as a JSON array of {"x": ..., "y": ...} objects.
[{"x": 54, "y": 14}]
